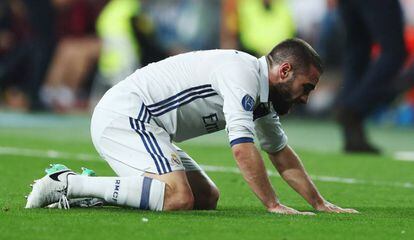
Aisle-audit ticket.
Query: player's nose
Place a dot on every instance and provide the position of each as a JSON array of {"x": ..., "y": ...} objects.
[{"x": 303, "y": 99}]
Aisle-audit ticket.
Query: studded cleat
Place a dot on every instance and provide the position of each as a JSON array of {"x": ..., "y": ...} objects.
[
  {"x": 52, "y": 188},
  {"x": 82, "y": 202}
]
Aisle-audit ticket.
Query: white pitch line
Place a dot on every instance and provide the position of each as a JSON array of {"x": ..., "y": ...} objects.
[
  {"x": 329, "y": 179},
  {"x": 53, "y": 154},
  {"x": 45, "y": 153},
  {"x": 404, "y": 156}
]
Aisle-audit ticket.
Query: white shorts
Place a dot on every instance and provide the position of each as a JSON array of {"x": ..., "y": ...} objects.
[{"x": 132, "y": 145}]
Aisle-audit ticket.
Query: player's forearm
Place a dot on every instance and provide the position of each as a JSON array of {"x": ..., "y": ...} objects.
[
  {"x": 252, "y": 167},
  {"x": 292, "y": 171}
]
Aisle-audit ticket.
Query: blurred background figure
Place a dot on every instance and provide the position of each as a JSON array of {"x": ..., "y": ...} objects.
[
  {"x": 76, "y": 54},
  {"x": 184, "y": 25},
  {"x": 136, "y": 33},
  {"x": 28, "y": 41},
  {"x": 120, "y": 52},
  {"x": 367, "y": 79},
  {"x": 331, "y": 37},
  {"x": 255, "y": 26}
]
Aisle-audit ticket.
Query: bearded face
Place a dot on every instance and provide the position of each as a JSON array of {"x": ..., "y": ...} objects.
[
  {"x": 280, "y": 95},
  {"x": 287, "y": 89}
]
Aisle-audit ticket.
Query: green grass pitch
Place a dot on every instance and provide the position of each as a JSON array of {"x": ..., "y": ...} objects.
[{"x": 381, "y": 188}]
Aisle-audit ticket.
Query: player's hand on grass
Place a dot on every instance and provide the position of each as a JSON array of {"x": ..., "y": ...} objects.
[
  {"x": 331, "y": 208},
  {"x": 282, "y": 209}
]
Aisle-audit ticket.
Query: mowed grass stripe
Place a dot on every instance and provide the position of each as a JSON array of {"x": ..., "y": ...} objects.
[{"x": 53, "y": 154}]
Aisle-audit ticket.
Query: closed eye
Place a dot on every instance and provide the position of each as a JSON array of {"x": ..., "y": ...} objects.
[{"x": 307, "y": 88}]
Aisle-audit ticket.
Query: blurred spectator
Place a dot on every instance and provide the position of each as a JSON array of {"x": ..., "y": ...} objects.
[
  {"x": 307, "y": 16},
  {"x": 120, "y": 50},
  {"x": 331, "y": 36},
  {"x": 120, "y": 53},
  {"x": 184, "y": 25},
  {"x": 76, "y": 53},
  {"x": 255, "y": 26},
  {"x": 366, "y": 80},
  {"x": 328, "y": 35},
  {"x": 13, "y": 29},
  {"x": 24, "y": 62},
  {"x": 136, "y": 33}
]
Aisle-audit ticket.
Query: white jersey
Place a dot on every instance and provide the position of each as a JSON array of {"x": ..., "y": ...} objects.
[{"x": 200, "y": 92}]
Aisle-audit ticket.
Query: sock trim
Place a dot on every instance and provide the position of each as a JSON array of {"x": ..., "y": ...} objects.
[{"x": 146, "y": 187}]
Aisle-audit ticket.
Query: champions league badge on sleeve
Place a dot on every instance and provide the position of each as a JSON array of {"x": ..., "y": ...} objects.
[{"x": 248, "y": 103}]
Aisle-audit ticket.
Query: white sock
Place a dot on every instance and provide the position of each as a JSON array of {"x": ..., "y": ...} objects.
[{"x": 136, "y": 191}]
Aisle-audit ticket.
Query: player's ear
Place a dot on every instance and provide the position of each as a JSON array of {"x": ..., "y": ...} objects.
[{"x": 284, "y": 70}]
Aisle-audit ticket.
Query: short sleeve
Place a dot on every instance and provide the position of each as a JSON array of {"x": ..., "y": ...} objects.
[
  {"x": 269, "y": 132},
  {"x": 238, "y": 85}
]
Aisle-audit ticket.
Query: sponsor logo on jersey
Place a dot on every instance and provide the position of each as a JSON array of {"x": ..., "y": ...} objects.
[{"x": 248, "y": 103}]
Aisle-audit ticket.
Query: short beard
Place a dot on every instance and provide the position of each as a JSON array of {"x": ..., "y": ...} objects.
[{"x": 281, "y": 98}]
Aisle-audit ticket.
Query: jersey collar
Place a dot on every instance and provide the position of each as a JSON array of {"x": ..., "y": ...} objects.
[{"x": 264, "y": 80}]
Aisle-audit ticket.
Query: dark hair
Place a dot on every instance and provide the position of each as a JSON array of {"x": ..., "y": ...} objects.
[{"x": 298, "y": 52}]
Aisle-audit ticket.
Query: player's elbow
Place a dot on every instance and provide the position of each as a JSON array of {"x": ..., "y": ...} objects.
[
  {"x": 242, "y": 150},
  {"x": 238, "y": 153}
]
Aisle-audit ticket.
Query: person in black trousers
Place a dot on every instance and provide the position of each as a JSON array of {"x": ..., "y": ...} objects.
[{"x": 367, "y": 81}]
